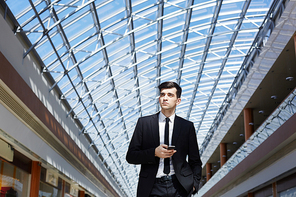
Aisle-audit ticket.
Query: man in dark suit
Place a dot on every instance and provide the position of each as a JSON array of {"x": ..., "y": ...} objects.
[{"x": 165, "y": 171}]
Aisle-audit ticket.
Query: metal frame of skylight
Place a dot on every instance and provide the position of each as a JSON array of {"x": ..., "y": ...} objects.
[
  {"x": 160, "y": 53},
  {"x": 267, "y": 27}
]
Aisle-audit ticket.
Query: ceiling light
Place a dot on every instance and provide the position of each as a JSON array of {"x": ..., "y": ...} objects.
[
  {"x": 273, "y": 97},
  {"x": 289, "y": 78}
]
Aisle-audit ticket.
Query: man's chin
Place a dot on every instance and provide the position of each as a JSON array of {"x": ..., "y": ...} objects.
[{"x": 165, "y": 107}]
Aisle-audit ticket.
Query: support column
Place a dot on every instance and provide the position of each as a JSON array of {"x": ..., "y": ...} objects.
[
  {"x": 35, "y": 178},
  {"x": 223, "y": 154},
  {"x": 209, "y": 171},
  {"x": 81, "y": 193},
  {"x": 295, "y": 44},
  {"x": 274, "y": 189},
  {"x": 248, "y": 122},
  {"x": 1, "y": 172},
  {"x": 63, "y": 187},
  {"x": 250, "y": 194}
]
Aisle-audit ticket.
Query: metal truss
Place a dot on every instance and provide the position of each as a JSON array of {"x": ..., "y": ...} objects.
[
  {"x": 106, "y": 59},
  {"x": 264, "y": 32}
]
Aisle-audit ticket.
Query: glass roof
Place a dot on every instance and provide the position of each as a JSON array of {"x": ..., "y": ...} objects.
[{"x": 107, "y": 58}]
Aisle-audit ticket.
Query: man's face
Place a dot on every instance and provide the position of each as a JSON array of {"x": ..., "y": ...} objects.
[{"x": 168, "y": 99}]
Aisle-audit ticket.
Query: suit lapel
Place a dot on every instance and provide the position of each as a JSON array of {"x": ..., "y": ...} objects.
[
  {"x": 176, "y": 130},
  {"x": 155, "y": 128}
]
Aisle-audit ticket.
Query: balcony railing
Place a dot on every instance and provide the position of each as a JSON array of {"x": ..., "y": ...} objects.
[{"x": 285, "y": 110}]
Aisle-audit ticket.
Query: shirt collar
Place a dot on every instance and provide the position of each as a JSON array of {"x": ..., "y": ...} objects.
[{"x": 162, "y": 117}]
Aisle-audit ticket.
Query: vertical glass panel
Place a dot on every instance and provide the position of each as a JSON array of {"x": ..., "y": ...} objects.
[{"x": 14, "y": 181}]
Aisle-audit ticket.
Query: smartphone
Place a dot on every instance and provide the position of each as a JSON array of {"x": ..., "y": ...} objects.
[{"x": 171, "y": 147}]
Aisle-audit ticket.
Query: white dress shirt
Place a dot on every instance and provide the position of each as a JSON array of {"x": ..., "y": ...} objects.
[{"x": 161, "y": 120}]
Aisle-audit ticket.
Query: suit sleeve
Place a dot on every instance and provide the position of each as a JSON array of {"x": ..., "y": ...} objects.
[
  {"x": 138, "y": 152},
  {"x": 194, "y": 158}
]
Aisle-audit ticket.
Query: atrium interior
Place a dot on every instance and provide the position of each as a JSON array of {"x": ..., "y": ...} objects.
[{"x": 75, "y": 76}]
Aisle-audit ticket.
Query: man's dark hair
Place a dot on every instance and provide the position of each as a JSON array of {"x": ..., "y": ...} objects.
[{"x": 171, "y": 84}]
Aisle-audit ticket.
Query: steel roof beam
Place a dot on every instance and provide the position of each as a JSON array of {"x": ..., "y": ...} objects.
[
  {"x": 58, "y": 22},
  {"x": 159, "y": 45},
  {"x": 61, "y": 62},
  {"x": 88, "y": 83},
  {"x": 267, "y": 25},
  {"x": 133, "y": 51},
  {"x": 184, "y": 40},
  {"x": 227, "y": 53},
  {"x": 205, "y": 54},
  {"x": 65, "y": 40},
  {"x": 109, "y": 72}
]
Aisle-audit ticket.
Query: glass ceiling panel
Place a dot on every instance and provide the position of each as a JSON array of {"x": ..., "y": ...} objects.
[{"x": 108, "y": 57}]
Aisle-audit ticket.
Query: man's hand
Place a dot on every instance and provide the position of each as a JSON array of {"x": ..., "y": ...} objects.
[{"x": 162, "y": 152}]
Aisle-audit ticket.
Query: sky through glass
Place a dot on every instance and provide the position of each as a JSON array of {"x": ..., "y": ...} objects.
[{"x": 108, "y": 57}]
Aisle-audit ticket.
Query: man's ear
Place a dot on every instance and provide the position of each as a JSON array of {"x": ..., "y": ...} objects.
[{"x": 178, "y": 101}]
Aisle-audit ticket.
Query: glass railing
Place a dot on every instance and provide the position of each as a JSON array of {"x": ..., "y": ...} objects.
[{"x": 285, "y": 110}]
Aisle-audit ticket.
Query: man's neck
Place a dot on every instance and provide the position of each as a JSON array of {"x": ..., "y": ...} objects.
[{"x": 168, "y": 113}]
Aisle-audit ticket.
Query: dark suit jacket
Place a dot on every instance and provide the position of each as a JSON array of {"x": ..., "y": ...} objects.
[{"x": 142, "y": 151}]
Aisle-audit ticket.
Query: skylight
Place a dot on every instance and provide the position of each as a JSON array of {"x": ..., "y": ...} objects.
[{"x": 108, "y": 57}]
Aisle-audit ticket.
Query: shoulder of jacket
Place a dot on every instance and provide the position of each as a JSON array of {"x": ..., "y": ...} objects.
[
  {"x": 184, "y": 120},
  {"x": 148, "y": 116}
]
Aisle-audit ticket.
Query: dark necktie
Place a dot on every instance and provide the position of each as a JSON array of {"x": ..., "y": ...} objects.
[{"x": 166, "y": 168}]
